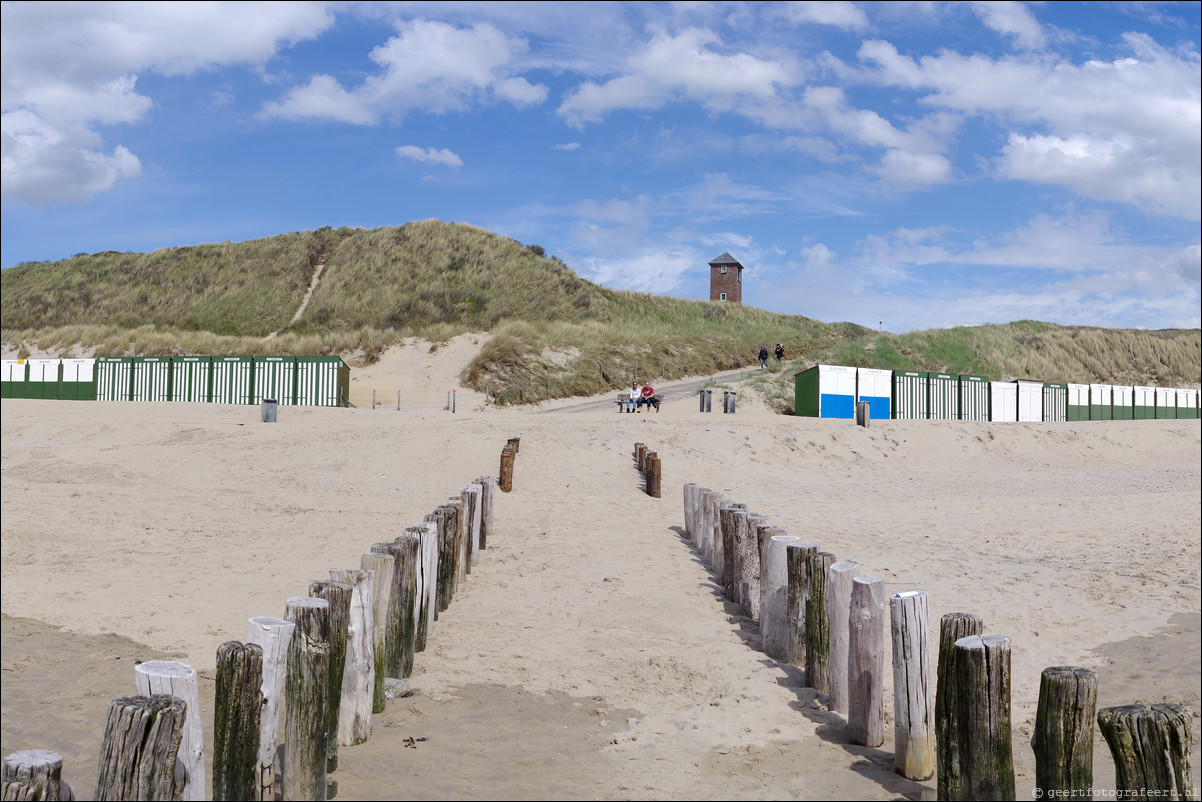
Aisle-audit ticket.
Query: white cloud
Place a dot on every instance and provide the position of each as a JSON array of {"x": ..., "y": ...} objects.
[
  {"x": 1127, "y": 130},
  {"x": 68, "y": 68},
  {"x": 568, "y": 146},
  {"x": 836, "y": 13},
  {"x": 651, "y": 270},
  {"x": 685, "y": 67},
  {"x": 429, "y": 155},
  {"x": 429, "y": 66},
  {"x": 1012, "y": 19}
]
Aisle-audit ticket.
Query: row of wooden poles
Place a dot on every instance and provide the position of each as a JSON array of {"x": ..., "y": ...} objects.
[
  {"x": 331, "y": 660},
  {"x": 648, "y": 464},
  {"x": 817, "y": 614}
]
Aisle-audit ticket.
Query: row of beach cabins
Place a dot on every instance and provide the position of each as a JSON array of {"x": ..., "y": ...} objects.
[
  {"x": 322, "y": 381},
  {"x": 833, "y": 391}
]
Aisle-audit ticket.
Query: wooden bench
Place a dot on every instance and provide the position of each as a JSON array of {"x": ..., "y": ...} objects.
[{"x": 623, "y": 399}]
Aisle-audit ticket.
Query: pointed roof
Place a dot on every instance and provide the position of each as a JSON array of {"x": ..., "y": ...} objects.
[{"x": 725, "y": 259}]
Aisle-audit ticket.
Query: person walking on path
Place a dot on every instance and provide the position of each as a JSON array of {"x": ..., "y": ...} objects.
[
  {"x": 780, "y": 353},
  {"x": 763, "y": 357}
]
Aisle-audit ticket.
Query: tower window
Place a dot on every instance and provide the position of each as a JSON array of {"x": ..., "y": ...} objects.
[
  {"x": 722, "y": 297},
  {"x": 724, "y": 270}
]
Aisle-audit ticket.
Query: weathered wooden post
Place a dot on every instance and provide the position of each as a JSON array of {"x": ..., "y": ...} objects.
[
  {"x": 359, "y": 674},
  {"x": 38, "y": 773},
  {"x": 272, "y": 635},
  {"x": 866, "y": 662},
  {"x": 163, "y": 677},
  {"x": 473, "y": 496},
  {"x": 401, "y": 620},
  {"x": 640, "y": 449},
  {"x": 653, "y": 475},
  {"x": 446, "y": 560},
  {"x": 981, "y": 708},
  {"x": 487, "y": 498},
  {"x": 818, "y": 625},
  {"x": 795, "y": 601},
  {"x": 516, "y": 442},
  {"x": 755, "y": 552},
  {"x": 237, "y": 721},
  {"x": 339, "y": 597},
  {"x": 688, "y": 491},
  {"x": 506, "y": 479},
  {"x": 913, "y": 708},
  {"x": 838, "y": 612},
  {"x": 306, "y": 699},
  {"x": 1151, "y": 750},
  {"x": 774, "y": 609},
  {"x": 383, "y": 585},
  {"x": 1063, "y": 735},
  {"x": 460, "y": 524},
  {"x": 712, "y": 552},
  {"x": 140, "y": 752},
  {"x": 734, "y": 533},
  {"x": 427, "y": 537},
  {"x": 952, "y": 627}
]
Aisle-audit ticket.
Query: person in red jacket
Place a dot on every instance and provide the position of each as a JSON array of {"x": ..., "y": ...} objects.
[{"x": 647, "y": 394}]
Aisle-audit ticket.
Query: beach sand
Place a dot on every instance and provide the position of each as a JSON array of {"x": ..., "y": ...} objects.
[{"x": 590, "y": 654}]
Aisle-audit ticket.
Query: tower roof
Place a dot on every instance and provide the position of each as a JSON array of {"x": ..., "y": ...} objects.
[{"x": 725, "y": 259}]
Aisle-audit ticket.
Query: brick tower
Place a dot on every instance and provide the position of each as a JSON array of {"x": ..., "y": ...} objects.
[{"x": 726, "y": 279}]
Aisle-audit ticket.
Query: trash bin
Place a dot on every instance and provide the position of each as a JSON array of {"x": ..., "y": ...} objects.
[{"x": 269, "y": 408}]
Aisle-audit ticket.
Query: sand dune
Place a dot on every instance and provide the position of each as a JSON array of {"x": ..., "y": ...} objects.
[{"x": 589, "y": 655}]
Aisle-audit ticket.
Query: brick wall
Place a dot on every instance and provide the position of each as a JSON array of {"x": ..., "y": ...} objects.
[{"x": 727, "y": 282}]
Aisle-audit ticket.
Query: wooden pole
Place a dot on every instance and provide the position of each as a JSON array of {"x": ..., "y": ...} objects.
[
  {"x": 401, "y": 622},
  {"x": 163, "y": 677},
  {"x": 952, "y": 627},
  {"x": 866, "y": 662},
  {"x": 39, "y": 772},
  {"x": 272, "y": 636},
  {"x": 516, "y": 442},
  {"x": 1151, "y": 749},
  {"x": 359, "y": 673},
  {"x": 410, "y": 557},
  {"x": 140, "y": 752},
  {"x": 639, "y": 450},
  {"x": 446, "y": 558},
  {"x": 689, "y": 494},
  {"x": 775, "y": 604},
  {"x": 710, "y": 501},
  {"x": 755, "y": 548},
  {"x": 383, "y": 582},
  {"x": 981, "y": 707},
  {"x": 339, "y": 597},
  {"x": 487, "y": 486},
  {"x": 795, "y": 601},
  {"x": 237, "y": 721},
  {"x": 734, "y": 532},
  {"x": 427, "y": 584},
  {"x": 1063, "y": 735},
  {"x": 913, "y": 707},
  {"x": 459, "y": 526},
  {"x": 654, "y": 474},
  {"x": 506, "y": 478},
  {"x": 473, "y": 494},
  {"x": 306, "y": 698},
  {"x": 838, "y": 612},
  {"x": 818, "y": 626}
]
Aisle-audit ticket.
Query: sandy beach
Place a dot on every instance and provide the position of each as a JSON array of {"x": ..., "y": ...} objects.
[{"x": 590, "y": 655}]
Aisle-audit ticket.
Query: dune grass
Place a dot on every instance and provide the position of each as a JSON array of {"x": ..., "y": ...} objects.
[{"x": 554, "y": 334}]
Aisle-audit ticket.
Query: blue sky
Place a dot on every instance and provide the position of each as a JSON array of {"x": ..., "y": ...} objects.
[{"x": 905, "y": 165}]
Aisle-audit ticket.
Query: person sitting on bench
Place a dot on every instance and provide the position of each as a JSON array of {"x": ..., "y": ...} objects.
[
  {"x": 646, "y": 395},
  {"x": 635, "y": 397}
]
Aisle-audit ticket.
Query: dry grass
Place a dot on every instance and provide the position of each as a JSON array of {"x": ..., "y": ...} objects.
[{"x": 554, "y": 333}]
